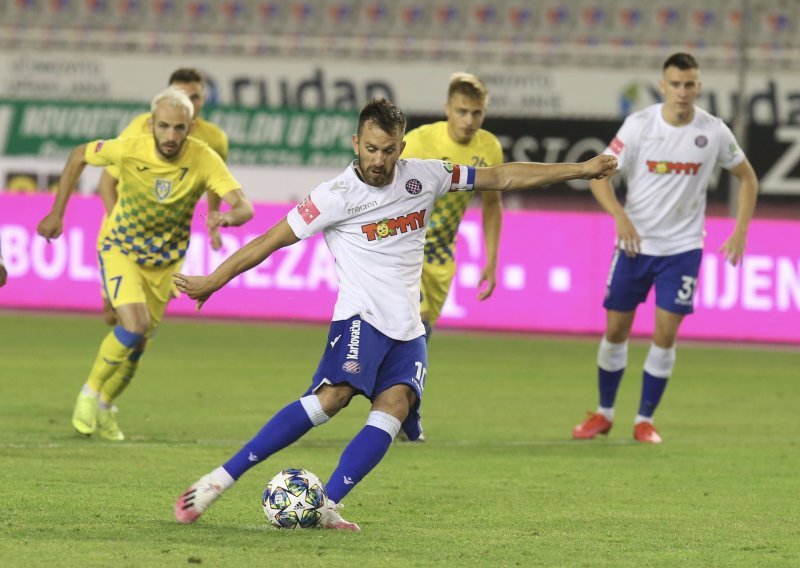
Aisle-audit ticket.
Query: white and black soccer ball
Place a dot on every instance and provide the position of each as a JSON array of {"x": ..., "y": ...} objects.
[{"x": 294, "y": 499}]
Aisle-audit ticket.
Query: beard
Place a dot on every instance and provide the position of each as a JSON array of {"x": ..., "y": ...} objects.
[
  {"x": 376, "y": 177},
  {"x": 168, "y": 152}
]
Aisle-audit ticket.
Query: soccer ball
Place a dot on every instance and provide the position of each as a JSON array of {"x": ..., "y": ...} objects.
[{"x": 294, "y": 499}]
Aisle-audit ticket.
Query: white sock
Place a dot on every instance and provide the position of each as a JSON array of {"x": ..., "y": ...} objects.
[
  {"x": 640, "y": 419},
  {"x": 221, "y": 476},
  {"x": 608, "y": 413}
]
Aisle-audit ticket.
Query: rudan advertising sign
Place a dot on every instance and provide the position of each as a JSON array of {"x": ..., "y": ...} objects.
[
  {"x": 418, "y": 87},
  {"x": 257, "y": 136}
]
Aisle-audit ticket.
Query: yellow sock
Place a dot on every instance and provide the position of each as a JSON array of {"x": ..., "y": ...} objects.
[
  {"x": 121, "y": 378},
  {"x": 115, "y": 348}
]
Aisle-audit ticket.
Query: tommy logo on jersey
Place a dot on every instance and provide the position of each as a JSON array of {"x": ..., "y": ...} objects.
[
  {"x": 163, "y": 188},
  {"x": 389, "y": 227},
  {"x": 308, "y": 211},
  {"x": 662, "y": 167}
]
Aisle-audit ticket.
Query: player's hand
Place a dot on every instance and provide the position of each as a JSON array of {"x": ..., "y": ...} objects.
[
  {"x": 216, "y": 219},
  {"x": 488, "y": 276},
  {"x": 3, "y": 275},
  {"x": 216, "y": 238},
  {"x": 600, "y": 167},
  {"x": 197, "y": 288},
  {"x": 627, "y": 236},
  {"x": 51, "y": 226},
  {"x": 733, "y": 248}
]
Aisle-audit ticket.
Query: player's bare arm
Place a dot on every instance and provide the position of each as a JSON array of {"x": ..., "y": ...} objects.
[
  {"x": 214, "y": 201},
  {"x": 627, "y": 235},
  {"x": 53, "y": 224},
  {"x": 733, "y": 248},
  {"x": 240, "y": 212},
  {"x": 528, "y": 175},
  {"x": 255, "y": 252},
  {"x": 492, "y": 213}
]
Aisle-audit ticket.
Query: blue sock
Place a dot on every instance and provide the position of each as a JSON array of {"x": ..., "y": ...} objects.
[
  {"x": 360, "y": 456},
  {"x": 608, "y": 383},
  {"x": 286, "y": 427},
  {"x": 652, "y": 389}
]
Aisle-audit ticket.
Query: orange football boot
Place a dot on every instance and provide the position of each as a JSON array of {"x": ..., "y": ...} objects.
[
  {"x": 647, "y": 433},
  {"x": 594, "y": 424}
]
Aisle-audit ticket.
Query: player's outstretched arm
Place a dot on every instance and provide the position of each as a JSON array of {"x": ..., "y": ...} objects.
[
  {"x": 492, "y": 213},
  {"x": 733, "y": 248},
  {"x": 627, "y": 236},
  {"x": 240, "y": 212},
  {"x": 528, "y": 175},
  {"x": 53, "y": 224},
  {"x": 255, "y": 252}
]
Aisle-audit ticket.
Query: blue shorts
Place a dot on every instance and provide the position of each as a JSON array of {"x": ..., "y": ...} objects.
[
  {"x": 370, "y": 362},
  {"x": 674, "y": 276}
]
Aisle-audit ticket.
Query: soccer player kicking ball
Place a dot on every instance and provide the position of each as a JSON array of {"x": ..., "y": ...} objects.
[
  {"x": 373, "y": 217},
  {"x": 667, "y": 152},
  {"x": 143, "y": 241}
]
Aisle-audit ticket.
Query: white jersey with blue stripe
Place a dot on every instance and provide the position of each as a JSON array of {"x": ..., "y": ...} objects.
[{"x": 377, "y": 235}]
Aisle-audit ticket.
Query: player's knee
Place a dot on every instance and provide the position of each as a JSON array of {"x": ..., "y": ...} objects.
[
  {"x": 396, "y": 401},
  {"x": 612, "y": 356},
  {"x": 138, "y": 327},
  {"x": 313, "y": 407},
  {"x": 660, "y": 361},
  {"x": 333, "y": 398}
]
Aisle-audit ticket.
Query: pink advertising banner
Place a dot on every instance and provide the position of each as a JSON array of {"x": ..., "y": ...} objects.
[{"x": 551, "y": 276}]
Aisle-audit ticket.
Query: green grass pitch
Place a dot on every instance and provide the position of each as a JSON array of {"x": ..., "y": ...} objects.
[{"x": 498, "y": 483}]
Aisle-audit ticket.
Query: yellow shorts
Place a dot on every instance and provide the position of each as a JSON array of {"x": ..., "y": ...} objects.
[
  {"x": 435, "y": 284},
  {"x": 126, "y": 282}
]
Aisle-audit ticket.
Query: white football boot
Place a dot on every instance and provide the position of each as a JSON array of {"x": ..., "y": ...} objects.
[
  {"x": 194, "y": 501},
  {"x": 331, "y": 519}
]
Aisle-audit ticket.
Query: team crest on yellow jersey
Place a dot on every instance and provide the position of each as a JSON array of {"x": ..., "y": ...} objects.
[{"x": 163, "y": 188}]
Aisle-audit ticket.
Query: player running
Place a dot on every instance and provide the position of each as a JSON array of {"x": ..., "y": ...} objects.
[{"x": 163, "y": 175}]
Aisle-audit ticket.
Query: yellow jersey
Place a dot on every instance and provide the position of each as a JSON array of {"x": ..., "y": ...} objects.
[
  {"x": 203, "y": 130},
  {"x": 432, "y": 141},
  {"x": 156, "y": 197}
]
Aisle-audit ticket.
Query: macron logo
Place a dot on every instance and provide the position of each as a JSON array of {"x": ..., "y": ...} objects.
[
  {"x": 348, "y": 480},
  {"x": 333, "y": 343},
  {"x": 252, "y": 457}
]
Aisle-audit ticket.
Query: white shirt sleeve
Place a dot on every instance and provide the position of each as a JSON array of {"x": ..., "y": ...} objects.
[
  {"x": 321, "y": 209},
  {"x": 623, "y": 145},
  {"x": 730, "y": 154}
]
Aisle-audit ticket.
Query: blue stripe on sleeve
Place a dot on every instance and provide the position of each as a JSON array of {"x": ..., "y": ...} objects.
[{"x": 470, "y": 176}]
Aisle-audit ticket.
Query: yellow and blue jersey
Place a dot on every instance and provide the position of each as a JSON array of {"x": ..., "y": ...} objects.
[
  {"x": 203, "y": 130},
  {"x": 156, "y": 197},
  {"x": 432, "y": 141}
]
